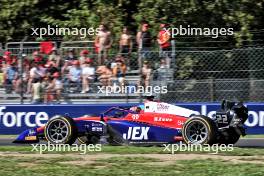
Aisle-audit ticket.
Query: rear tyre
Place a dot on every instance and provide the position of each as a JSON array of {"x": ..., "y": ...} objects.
[
  {"x": 231, "y": 138},
  {"x": 199, "y": 130},
  {"x": 61, "y": 130}
]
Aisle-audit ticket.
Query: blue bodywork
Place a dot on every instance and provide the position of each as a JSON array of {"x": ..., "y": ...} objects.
[{"x": 142, "y": 132}]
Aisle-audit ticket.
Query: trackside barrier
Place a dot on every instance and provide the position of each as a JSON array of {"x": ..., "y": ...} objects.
[{"x": 16, "y": 118}]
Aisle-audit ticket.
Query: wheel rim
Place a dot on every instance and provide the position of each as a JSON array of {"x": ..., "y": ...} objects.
[
  {"x": 196, "y": 132},
  {"x": 58, "y": 131}
]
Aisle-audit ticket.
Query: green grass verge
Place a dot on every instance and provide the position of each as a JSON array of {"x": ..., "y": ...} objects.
[
  {"x": 11, "y": 166},
  {"x": 141, "y": 150}
]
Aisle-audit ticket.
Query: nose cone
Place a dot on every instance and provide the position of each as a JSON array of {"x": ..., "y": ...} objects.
[{"x": 28, "y": 136}]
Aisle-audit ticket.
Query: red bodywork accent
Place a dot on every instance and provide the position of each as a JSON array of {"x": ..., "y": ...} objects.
[
  {"x": 158, "y": 119},
  {"x": 40, "y": 129}
]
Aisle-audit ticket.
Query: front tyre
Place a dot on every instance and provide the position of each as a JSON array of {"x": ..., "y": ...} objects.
[
  {"x": 61, "y": 130},
  {"x": 199, "y": 130}
]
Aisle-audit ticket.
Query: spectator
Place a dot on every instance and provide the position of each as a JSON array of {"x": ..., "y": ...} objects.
[
  {"x": 125, "y": 44},
  {"x": 88, "y": 72},
  {"x": 48, "y": 86},
  {"x": 55, "y": 57},
  {"x": 164, "y": 43},
  {"x": 1, "y": 79},
  {"x": 103, "y": 42},
  {"x": 10, "y": 76},
  {"x": 146, "y": 73},
  {"x": 7, "y": 57},
  {"x": 37, "y": 71},
  {"x": 105, "y": 75},
  {"x": 119, "y": 71},
  {"x": 37, "y": 58},
  {"x": 65, "y": 71},
  {"x": 57, "y": 86},
  {"x": 162, "y": 71},
  {"x": 144, "y": 40},
  {"x": 37, "y": 91},
  {"x": 74, "y": 76},
  {"x": 51, "y": 68},
  {"x": 70, "y": 55},
  {"x": 83, "y": 56},
  {"x": 21, "y": 82}
]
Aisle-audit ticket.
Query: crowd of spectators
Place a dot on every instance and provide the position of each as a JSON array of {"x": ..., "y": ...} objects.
[
  {"x": 45, "y": 77},
  {"x": 46, "y": 73}
]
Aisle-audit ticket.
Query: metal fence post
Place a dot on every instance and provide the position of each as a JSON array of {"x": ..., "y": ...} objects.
[
  {"x": 140, "y": 68},
  {"x": 20, "y": 67}
]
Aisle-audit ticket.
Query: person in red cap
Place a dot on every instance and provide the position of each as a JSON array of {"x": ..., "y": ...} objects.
[
  {"x": 164, "y": 42},
  {"x": 8, "y": 58},
  {"x": 83, "y": 56},
  {"x": 84, "y": 52},
  {"x": 88, "y": 72}
]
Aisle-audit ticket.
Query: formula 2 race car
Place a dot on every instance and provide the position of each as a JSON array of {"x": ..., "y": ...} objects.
[{"x": 155, "y": 123}]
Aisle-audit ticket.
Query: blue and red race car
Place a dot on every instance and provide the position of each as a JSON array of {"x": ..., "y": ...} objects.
[{"x": 154, "y": 123}]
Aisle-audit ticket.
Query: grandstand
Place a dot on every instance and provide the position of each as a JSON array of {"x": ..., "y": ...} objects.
[{"x": 196, "y": 74}]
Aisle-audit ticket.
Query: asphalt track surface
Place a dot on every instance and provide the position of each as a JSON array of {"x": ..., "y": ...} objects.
[{"x": 248, "y": 142}]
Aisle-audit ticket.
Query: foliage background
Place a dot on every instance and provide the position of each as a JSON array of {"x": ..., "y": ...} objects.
[{"x": 245, "y": 16}]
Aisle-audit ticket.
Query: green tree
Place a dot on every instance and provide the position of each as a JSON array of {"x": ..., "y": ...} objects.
[
  {"x": 245, "y": 16},
  {"x": 242, "y": 15}
]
